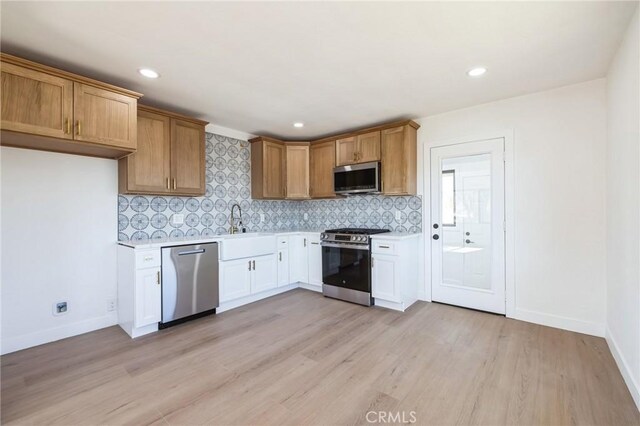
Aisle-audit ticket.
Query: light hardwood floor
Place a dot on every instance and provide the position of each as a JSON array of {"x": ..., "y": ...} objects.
[{"x": 299, "y": 358}]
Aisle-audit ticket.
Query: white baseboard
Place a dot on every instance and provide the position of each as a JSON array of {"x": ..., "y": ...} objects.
[
  {"x": 312, "y": 287},
  {"x": 13, "y": 344},
  {"x": 633, "y": 386},
  {"x": 565, "y": 323}
]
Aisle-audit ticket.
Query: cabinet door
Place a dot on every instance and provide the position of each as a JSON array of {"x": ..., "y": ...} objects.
[
  {"x": 321, "y": 163},
  {"x": 297, "y": 171},
  {"x": 283, "y": 267},
  {"x": 346, "y": 151},
  {"x": 149, "y": 168},
  {"x": 315, "y": 260},
  {"x": 384, "y": 278},
  {"x": 298, "y": 259},
  {"x": 104, "y": 117},
  {"x": 148, "y": 297},
  {"x": 187, "y": 158},
  {"x": 235, "y": 279},
  {"x": 273, "y": 169},
  {"x": 35, "y": 102},
  {"x": 399, "y": 161},
  {"x": 368, "y": 147},
  {"x": 265, "y": 273}
]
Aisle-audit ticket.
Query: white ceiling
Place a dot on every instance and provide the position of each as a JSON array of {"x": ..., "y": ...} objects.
[{"x": 258, "y": 67}]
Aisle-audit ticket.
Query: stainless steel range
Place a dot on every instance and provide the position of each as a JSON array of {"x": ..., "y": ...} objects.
[{"x": 346, "y": 264}]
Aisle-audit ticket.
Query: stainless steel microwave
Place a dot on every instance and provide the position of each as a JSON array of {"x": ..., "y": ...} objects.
[{"x": 357, "y": 178}]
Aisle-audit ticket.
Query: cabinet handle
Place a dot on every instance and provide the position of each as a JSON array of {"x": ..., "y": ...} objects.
[
  {"x": 254, "y": 265},
  {"x": 168, "y": 183},
  {"x": 280, "y": 256},
  {"x": 372, "y": 262},
  {"x": 383, "y": 246},
  {"x": 158, "y": 278},
  {"x": 305, "y": 242},
  {"x": 79, "y": 128},
  {"x": 249, "y": 265},
  {"x": 174, "y": 184},
  {"x": 68, "y": 125},
  {"x": 314, "y": 243}
]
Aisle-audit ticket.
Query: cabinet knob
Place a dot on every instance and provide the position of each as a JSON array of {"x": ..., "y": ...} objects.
[{"x": 436, "y": 237}]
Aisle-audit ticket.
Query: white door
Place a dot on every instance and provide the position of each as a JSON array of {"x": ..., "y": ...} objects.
[
  {"x": 235, "y": 279},
  {"x": 148, "y": 297},
  {"x": 283, "y": 267},
  {"x": 467, "y": 225},
  {"x": 265, "y": 273}
]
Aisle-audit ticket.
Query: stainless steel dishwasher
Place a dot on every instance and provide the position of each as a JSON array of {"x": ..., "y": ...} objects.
[{"x": 189, "y": 282}]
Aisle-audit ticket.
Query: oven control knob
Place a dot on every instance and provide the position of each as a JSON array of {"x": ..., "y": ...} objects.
[{"x": 323, "y": 236}]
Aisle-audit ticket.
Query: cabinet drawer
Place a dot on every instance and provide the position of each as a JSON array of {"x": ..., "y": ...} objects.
[
  {"x": 283, "y": 242},
  {"x": 383, "y": 247},
  {"x": 148, "y": 258}
]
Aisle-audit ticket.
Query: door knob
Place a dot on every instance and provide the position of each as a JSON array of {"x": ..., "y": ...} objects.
[{"x": 436, "y": 237}]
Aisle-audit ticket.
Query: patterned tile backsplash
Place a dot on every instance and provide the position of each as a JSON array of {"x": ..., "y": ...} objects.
[{"x": 228, "y": 177}]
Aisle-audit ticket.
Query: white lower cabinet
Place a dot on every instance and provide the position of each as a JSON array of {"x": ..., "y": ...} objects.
[
  {"x": 283, "y": 267},
  {"x": 314, "y": 260},
  {"x": 235, "y": 279},
  {"x": 139, "y": 290},
  {"x": 264, "y": 274},
  {"x": 385, "y": 277},
  {"x": 244, "y": 277},
  {"x": 298, "y": 258},
  {"x": 394, "y": 272}
]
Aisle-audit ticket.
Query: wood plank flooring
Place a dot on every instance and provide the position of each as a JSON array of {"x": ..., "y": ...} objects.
[{"x": 299, "y": 358}]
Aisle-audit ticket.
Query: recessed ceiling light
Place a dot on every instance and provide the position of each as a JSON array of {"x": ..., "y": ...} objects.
[
  {"x": 298, "y": 124},
  {"x": 476, "y": 72},
  {"x": 149, "y": 73}
]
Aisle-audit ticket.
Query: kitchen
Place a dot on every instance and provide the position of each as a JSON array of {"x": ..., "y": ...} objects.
[{"x": 299, "y": 230}]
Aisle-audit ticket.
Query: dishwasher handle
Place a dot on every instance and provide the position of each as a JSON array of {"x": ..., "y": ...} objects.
[{"x": 185, "y": 253}]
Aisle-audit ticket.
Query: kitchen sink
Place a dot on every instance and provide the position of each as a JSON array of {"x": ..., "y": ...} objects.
[{"x": 238, "y": 246}]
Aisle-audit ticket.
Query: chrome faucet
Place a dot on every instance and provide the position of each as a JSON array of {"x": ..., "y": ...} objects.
[{"x": 233, "y": 228}]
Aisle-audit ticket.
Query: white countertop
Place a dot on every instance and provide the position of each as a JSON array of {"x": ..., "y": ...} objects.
[
  {"x": 396, "y": 236},
  {"x": 179, "y": 241}
]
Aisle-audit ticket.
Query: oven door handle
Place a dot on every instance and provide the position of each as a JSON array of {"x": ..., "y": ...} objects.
[{"x": 347, "y": 246}]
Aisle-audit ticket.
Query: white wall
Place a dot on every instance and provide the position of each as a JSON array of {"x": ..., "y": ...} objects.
[
  {"x": 59, "y": 229},
  {"x": 623, "y": 208},
  {"x": 559, "y": 139}
]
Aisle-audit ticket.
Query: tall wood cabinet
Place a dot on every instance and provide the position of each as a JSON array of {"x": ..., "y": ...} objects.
[
  {"x": 49, "y": 109},
  {"x": 322, "y": 160},
  {"x": 399, "y": 160},
  {"x": 268, "y": 162},
  {"x": 170, "y": 158},
  {"x": 297, "y": 170}
]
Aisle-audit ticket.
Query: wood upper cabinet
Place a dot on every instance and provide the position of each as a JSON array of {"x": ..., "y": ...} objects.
[
  {"x": 368, "y": 147},
  {"x": 399, "y": 160},
  {"x": 187, "y": 157},
  {"x": 322, "y": 160},
  {"x": 36, "y": 102},
  {"x": 53, "y": 110},
  {"x": 170, "y": 158},
  {"x": 346, "y": 149},
  {"x": 103, "y": 116},
  {"x": 268, "y": 162},
  {"x": 362, "y": 148},
  {"x": 297, "y": 170}
]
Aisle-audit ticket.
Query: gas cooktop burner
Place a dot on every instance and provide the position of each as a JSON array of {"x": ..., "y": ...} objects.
[{"x": 356, "y": 231}]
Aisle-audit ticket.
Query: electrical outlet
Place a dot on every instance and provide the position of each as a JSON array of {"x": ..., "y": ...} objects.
[
  {"x": 60, "y": 308},
  {"x": 177, "y": 219},
  {"x": 398, "y": 215},
  {"x": 111, "y": 305},
  {"x": 261, "y": 217},
  {"x": 306, "y": 216}
]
